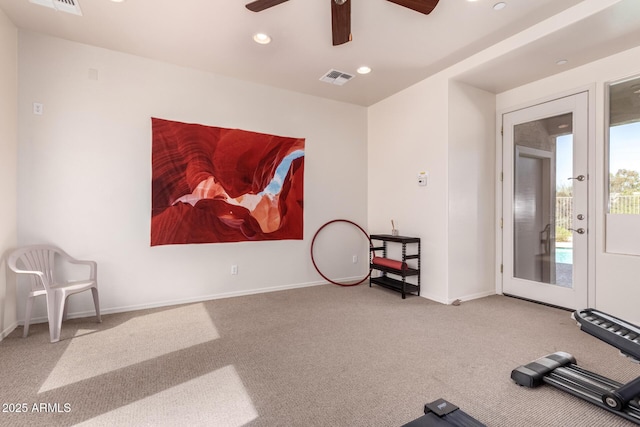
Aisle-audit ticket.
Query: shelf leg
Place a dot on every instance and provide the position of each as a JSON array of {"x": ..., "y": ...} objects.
[{"x": 404, "y": 279}]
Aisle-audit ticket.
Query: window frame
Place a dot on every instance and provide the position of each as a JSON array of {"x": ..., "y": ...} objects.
[{"x": 607, "y": 136}]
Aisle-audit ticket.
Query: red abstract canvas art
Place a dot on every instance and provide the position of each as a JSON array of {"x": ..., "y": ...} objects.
[{"x": 212, "y": 184}]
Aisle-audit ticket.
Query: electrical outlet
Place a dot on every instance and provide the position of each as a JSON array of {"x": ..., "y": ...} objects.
[
  {"x": 355, "y": 259},
  {"x": 234, "y": 269},
  {"x": 38, "y": 108}
]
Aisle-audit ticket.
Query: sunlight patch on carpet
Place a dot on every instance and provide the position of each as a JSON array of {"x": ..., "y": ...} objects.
[
  {"x": 142, "y": 338},
  {"x": 215, "y": 399}
]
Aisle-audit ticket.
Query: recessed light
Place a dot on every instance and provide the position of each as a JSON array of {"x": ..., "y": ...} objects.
[
  {"x": 117, "y": 1},
  {"x": 261, "y": 38},
  {"x": 563, "y": 126},
  {"x": 363, "y": 70},
  {"x": 561, "y": 62},
  {"x": 499, "y": 6}
]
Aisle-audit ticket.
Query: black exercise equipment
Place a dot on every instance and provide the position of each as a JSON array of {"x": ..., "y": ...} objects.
[
  {"x": 560, "y": 370},
  {"x": 441, "y": 413}
]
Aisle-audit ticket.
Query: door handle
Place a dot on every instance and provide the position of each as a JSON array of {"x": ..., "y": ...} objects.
[
  {"x": 579, "y": 178},
  {"x": 546, "y": 241},
  {"x": 579, "y": 230}
]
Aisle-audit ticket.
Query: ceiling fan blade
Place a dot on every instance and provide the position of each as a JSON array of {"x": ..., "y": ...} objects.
[
  {"x": 422, "y": 6},
  {"x": 341, "y": 22},
  {"x": 260, "y": 5}
]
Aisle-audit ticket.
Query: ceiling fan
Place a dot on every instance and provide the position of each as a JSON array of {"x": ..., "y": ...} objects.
[{"x": 341, "y": 14}]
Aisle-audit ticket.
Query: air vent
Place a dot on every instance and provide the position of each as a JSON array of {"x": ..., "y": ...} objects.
[
  {"x": 68, "y": 6},
  {"x": 336, "y": 77}
]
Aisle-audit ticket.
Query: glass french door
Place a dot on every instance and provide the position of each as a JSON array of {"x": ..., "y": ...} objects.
[{"x": 545, "y": 201}]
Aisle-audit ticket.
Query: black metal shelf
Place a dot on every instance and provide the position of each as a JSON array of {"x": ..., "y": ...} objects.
[
  {"x": 407, "y": 272},
  {"x": 400, "y": 285},
  {"x": 396, "y": 239},
  {"x": 396, "y": 285}
]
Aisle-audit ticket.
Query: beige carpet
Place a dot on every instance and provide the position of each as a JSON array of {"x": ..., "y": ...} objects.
[{"x": 319, "y": 356}]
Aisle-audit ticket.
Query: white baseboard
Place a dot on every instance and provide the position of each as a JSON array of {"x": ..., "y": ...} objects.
[
  {"x": 201, "y": 298},
  {"x": 8, "y": 330},
  {"x": 462, "y": 298},
  {"x": 124, "y": 309},
  {"x": 474, "y": 296},
  {"x": 433, "y": 298}
]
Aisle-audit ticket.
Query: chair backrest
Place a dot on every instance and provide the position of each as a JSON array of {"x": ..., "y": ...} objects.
[{"x": 35, "y": 258}]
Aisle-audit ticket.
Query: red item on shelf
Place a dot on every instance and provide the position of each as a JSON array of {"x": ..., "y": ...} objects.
[{"x": 390, "y": 263}]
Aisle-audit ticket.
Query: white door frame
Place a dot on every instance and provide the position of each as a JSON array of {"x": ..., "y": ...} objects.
[{"x": 596, "y": 187}]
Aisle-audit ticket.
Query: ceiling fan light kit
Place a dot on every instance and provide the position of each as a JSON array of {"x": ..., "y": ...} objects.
[{"x": 341, "y": 14}]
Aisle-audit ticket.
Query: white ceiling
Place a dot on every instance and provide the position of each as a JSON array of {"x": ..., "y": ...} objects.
[{"x": 400, "y": 45}]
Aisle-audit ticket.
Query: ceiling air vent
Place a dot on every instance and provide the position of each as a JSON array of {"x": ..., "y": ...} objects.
[
  {"x": 336, "y": 77},
  {"x": 69, "y": 6}
]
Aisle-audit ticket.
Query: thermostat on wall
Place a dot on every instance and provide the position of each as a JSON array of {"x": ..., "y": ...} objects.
[{"x": 422, "y": 179}]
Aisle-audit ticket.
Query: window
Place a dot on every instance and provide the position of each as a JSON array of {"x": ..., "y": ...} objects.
[{"x": 624, "y": 147}]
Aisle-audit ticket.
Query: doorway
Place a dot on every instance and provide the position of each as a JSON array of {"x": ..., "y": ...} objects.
[{"x": 545, "y": 202}]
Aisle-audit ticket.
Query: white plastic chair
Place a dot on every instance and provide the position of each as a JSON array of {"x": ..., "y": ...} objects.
[{"x": 39, "y": 263}]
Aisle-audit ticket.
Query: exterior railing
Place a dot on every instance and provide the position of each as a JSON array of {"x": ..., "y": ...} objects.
[
  {"x": 617, "y": 205},
  {"x": 564, "y": 211},
  {"x": 624, "y": 204}
]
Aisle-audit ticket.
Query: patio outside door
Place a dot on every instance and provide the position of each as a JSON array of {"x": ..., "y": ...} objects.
[{"x": 545, "y": 191}]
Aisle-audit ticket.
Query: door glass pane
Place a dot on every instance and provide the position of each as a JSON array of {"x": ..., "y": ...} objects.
[
  {"x": 543, "y": 200},
  {"x": 624, "y": 147}
]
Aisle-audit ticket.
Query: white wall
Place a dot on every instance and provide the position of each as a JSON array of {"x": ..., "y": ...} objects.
[
  {"x": 471, "y": 190},
  {"x": 406, "y": 137},
  {"x": 447, "y": 129},
  {"x": 8, "y": 167},
  {"x": 85, "y": 173},
  {"x": 616, "y": 276}
]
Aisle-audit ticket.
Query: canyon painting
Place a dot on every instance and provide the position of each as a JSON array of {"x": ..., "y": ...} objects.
[{"x": 214, "y": 185}]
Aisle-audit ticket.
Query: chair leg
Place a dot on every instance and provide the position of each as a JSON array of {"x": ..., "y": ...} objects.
[
  {"x": 27, "y": 316},
  {"x": 96, "y": 303},
  {"x": 55, "y": 309}
]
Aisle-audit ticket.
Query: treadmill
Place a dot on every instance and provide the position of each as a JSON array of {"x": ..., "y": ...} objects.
[{"x": 560, "y": 370}]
